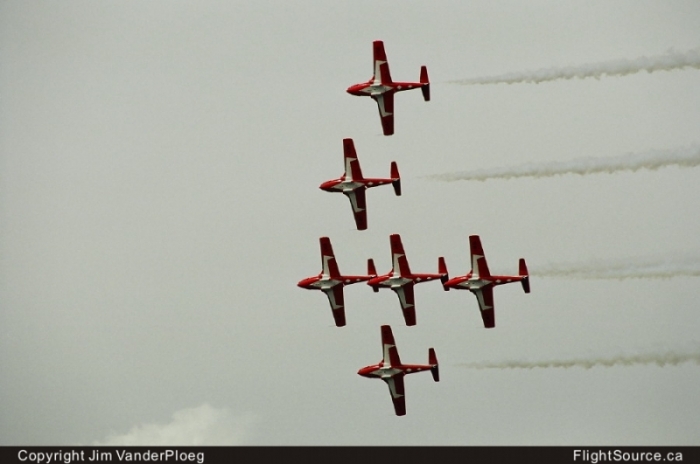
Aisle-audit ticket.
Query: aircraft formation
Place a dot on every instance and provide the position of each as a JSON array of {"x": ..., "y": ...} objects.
[{"x": 352, "y": 183}]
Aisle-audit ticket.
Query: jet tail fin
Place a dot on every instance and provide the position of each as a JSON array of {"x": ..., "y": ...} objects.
[
  {"x": 395, "y": 178},
  {"x": 525, "y": 282},
  {"x": 426, "y": 83},
  {"x": 434, "y": 367}
]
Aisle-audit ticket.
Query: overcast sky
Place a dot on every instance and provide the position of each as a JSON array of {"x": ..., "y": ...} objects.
[{"x": 159, "y": 201}]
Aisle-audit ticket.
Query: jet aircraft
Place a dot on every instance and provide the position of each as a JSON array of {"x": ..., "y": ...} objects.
[
  {"x": 331, "y": 282},
  {"x": 353, "y": 185},
  {"x": 401, "y": 280},
  {"x": 391, "y": 371},
  {"x": 382, "y": 89},
  {"x": 480, "y": 282}
]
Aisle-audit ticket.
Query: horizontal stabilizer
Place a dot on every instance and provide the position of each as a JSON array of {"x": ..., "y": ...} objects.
[
  {"x": 442, "y": 270},
  {"x": 526, "y": 284},
  {"x": 426, "y": 83},
  {"x": 371, "y": 270},
  {"x": 396, "y": 178},
  {"x": 523, "y": 272},
  {"x": 434, "y": 367}
]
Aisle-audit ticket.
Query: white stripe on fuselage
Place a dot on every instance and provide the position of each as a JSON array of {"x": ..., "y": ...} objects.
[
  {"x": 474, "y": 283},
  {"x": 348, "y": 186},
  {"x": 394, "y": 281},
  {"x": 325, "y": 283},
  {"x": 375, "y": 90}
]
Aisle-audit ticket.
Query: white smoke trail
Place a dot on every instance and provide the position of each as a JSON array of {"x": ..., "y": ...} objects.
[
  {"x": 660, "y": 359},
  {"x": 685, "y": 157},
  {"x": 638, "y": 268},
  {"x": 667, "y": 62}
]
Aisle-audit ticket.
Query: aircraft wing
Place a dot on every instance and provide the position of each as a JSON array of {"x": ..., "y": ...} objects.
[
  {"x": 380, "y": 63},
  {"x": 399, "y": 261},
  {"x": 390, "y": 354},
  {"x": 479, "y": 266},
  {"x": 408, "y": 304},
  {"x": 335, "y": 298},
  {"x": 358, "y": 202},
  {"x": 485, "y": 298},
  {"x": 352, "y": 164},
  {"x": 328, "y": 263},
  {"x": 385, "y": 103},
  {"x": 398, "y": 394}
]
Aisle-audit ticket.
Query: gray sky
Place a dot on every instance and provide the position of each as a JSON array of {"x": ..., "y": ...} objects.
[{"x": 159, "y": 200}]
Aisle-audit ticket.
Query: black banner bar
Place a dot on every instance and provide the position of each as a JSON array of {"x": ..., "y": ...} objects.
[{"x": 312, "y": 454}]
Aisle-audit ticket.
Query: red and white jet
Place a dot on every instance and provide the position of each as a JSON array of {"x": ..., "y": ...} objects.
[
  {"x": 353, "y": 185},
  {"x": 390, "y": 370},
  {"x": 331, "y": 282},
  {"x": 382, "y": 89},
  {"x": 401, "y": 280},
  {"x": 480, "y": 282}
]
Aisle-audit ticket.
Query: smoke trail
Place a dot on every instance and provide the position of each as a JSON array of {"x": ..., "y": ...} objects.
[
  {"x": 667, "y": 62},
  {"x": 685, "y": 157},
  {"x": 638, "y": 268},
  {"x": 660, "y": 359}
]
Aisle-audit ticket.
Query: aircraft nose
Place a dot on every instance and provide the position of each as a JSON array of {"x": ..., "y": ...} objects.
[
  {"x": 303, "y": 283},
  {"x": 326, "y": 185}
]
